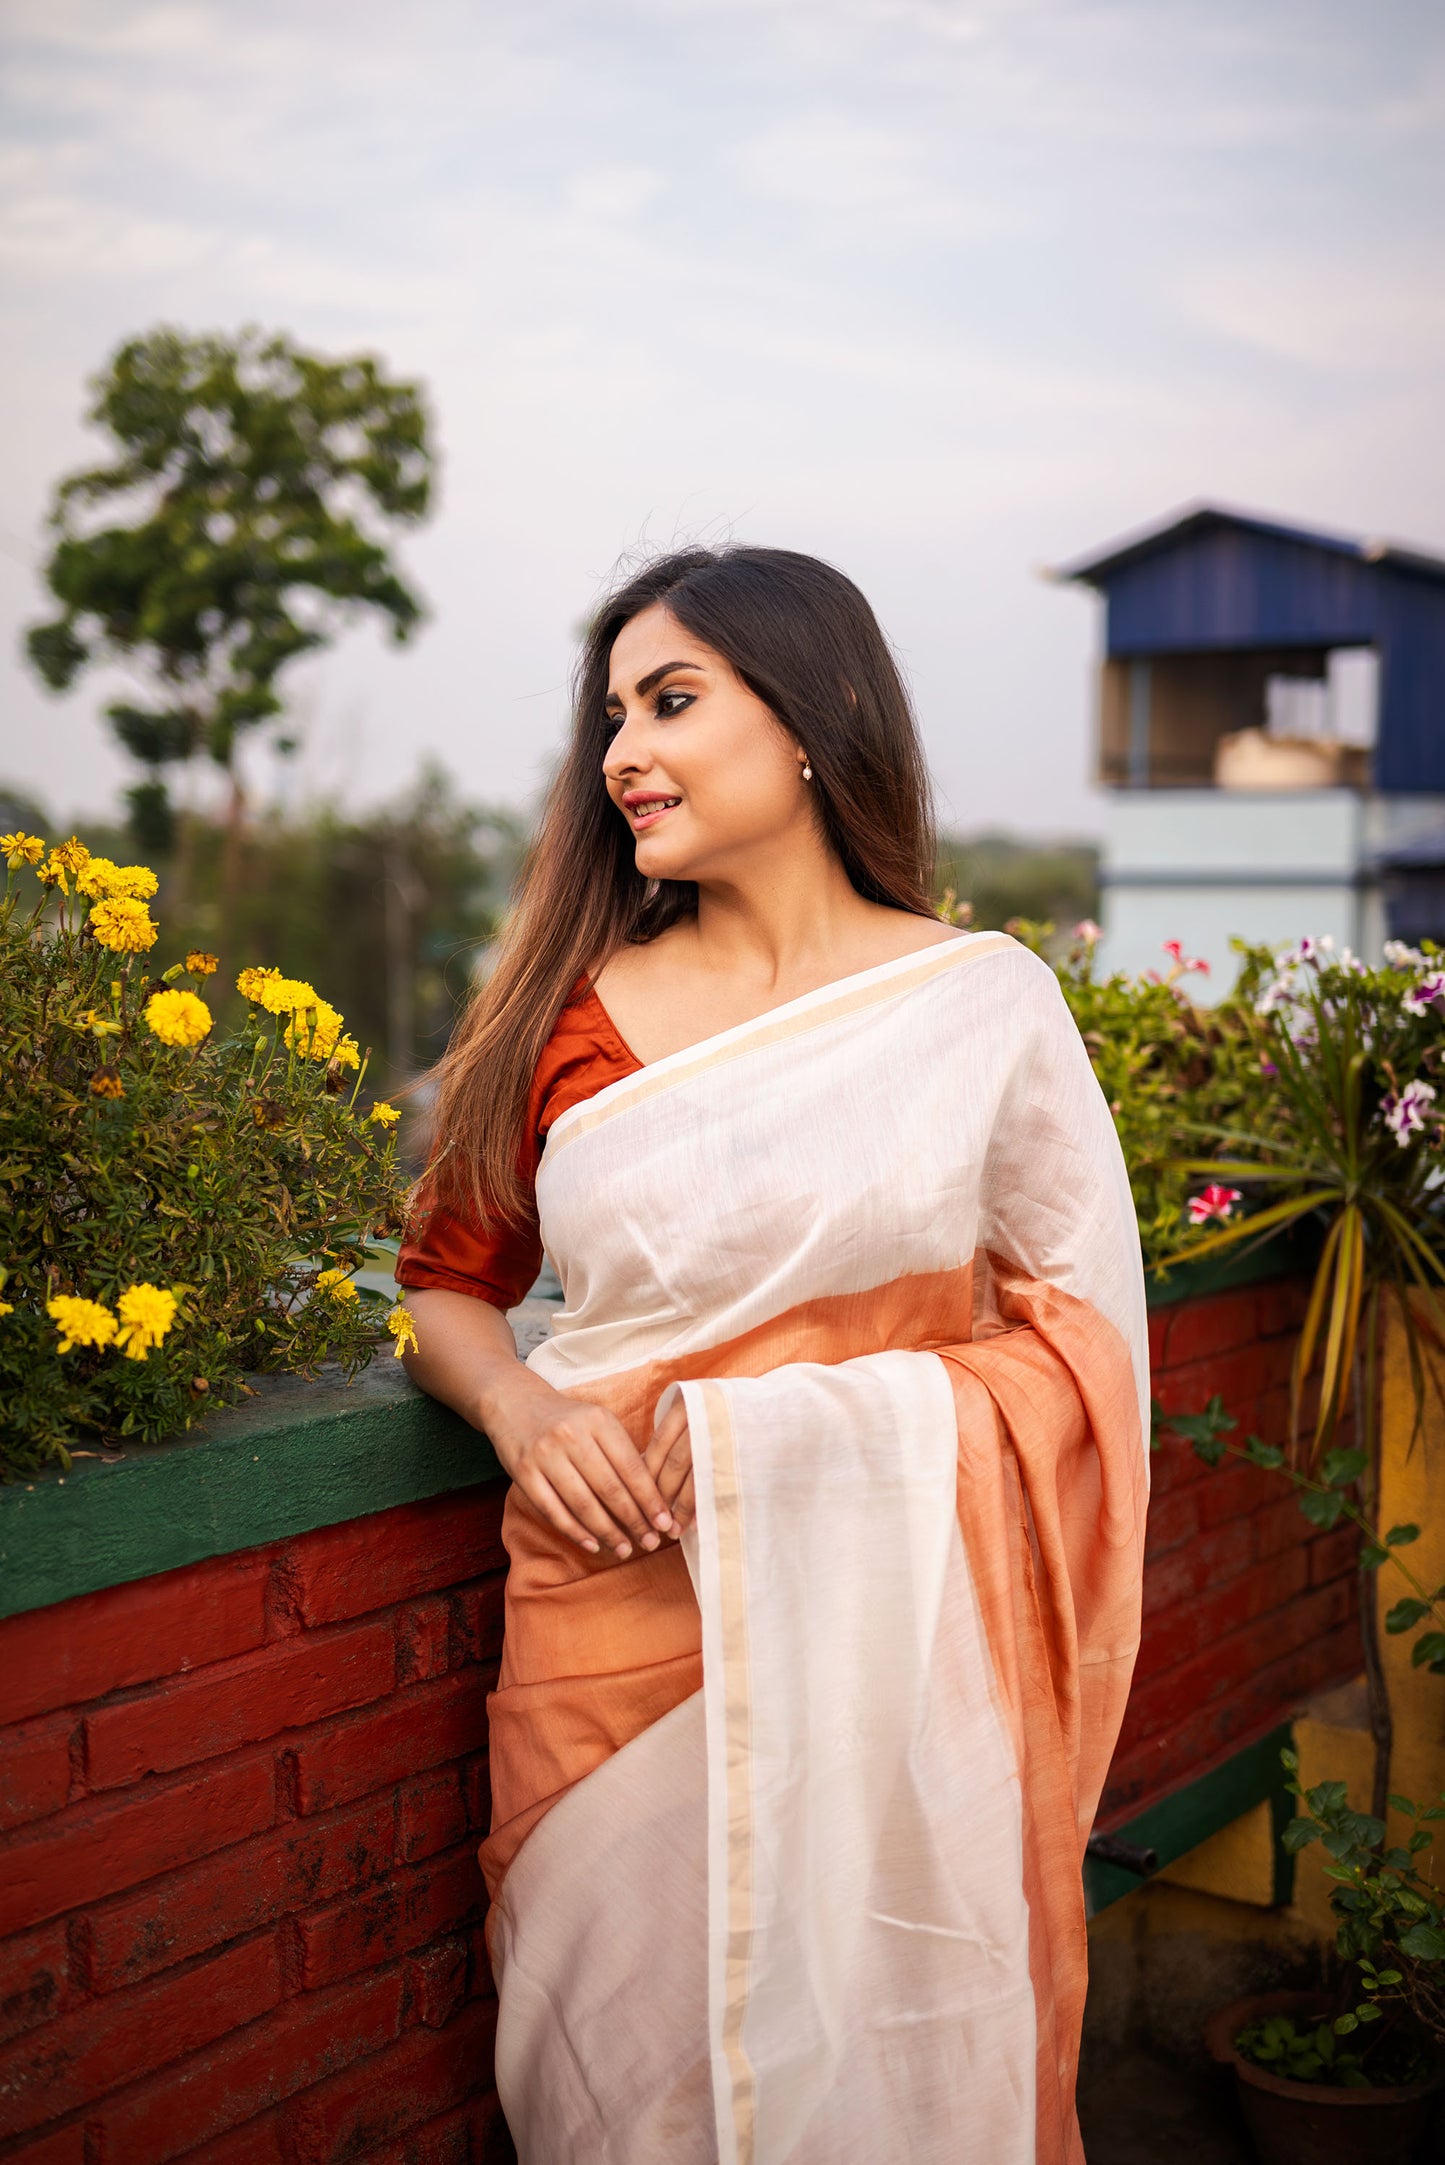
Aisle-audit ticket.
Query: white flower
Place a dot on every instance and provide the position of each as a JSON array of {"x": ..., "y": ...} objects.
[
  {"x": 1404, "y": 1115},
  {"x": 1430, "y": 992},
  {"x": 1401, "y": 957}
]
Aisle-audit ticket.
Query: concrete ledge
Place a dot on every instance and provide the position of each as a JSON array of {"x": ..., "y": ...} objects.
[{"x": 298, "y": 1455}]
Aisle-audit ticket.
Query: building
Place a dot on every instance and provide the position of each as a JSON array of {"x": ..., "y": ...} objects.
[{"x": 1271, "y": 738}]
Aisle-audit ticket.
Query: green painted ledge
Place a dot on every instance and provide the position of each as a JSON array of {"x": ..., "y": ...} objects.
[
  {"x": 1180, "y": 1822},
  {"x": 297, "y": 1456},
  {"x": 1289, "y": 1255}
]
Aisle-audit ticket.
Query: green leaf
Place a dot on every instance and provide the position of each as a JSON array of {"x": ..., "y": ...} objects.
[
  {"x": 1325, "y": 1509},
  {"x": 1424, "y": 1942},
  {"x": 1406, "y": 1614},
  {"x": 1399, "y": 1536},
  {"x": 1339, "y": 1469},
  {"x": 1299, "y": 1833},
  {"x": 1267, "y": 1455},
  {"x": 1428, "y": 1649}
]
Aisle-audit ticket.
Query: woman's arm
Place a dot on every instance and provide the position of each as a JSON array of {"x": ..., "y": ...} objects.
[{"x": 576, "y": 1464}]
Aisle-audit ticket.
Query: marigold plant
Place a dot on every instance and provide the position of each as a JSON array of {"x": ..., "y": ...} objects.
[{"x": 182, "y": 1208}]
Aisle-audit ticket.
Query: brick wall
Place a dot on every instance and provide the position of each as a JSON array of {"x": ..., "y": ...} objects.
[
  {"x": 240, "y": 1802},
  {"x": 1248, "y": 1609},
  {"x": 239, "y": 1898}
]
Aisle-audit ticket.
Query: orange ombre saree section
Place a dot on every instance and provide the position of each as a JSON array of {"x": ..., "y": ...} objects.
[{"x": 788, "y": 1828}]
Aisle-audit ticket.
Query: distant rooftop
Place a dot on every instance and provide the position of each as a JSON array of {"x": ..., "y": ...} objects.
[{"x": 1193, "y": 521}]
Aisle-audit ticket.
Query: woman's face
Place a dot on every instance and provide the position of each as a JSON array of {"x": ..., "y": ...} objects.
[{"x": 698, "y": 767}]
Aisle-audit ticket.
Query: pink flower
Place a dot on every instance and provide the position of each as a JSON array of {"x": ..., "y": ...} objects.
[
  {"x": 1267, "y": 1066},
  {"x": 1215, "y": 1202},
  {"x": 1404, "y": 1115},
  {"x": 1087, "y": 933},
  {"x": 1175, "y": 950}
]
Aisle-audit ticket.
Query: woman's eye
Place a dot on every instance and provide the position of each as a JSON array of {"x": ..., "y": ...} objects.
[{"x": 673, "y": 702}]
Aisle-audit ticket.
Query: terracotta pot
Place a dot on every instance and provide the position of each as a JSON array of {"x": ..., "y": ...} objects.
[{"x": 1313, "y": 2123}]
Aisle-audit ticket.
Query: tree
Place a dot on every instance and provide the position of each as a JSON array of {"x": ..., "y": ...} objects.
[{"x": 248, "y": 503}]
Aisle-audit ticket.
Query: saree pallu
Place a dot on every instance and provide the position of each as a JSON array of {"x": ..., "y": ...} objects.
[{"x": 788, "y": 1822}]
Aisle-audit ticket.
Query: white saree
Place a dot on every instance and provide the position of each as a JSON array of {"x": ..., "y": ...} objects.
[{"x": 788, "y": 1829}]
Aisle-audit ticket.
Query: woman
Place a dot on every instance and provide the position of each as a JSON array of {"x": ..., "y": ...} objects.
[{"x": 828, "y": 1488}]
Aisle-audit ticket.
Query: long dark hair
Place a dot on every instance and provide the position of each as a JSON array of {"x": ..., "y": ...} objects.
[{"x": 806, "y": 643}]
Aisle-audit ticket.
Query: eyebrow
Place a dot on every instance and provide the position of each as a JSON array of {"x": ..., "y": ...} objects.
[{"x": 650, "y": 682}]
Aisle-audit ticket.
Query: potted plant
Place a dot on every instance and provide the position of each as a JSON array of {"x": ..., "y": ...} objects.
[
  {"x": 182, "y": 1206},
  {"x": 1353, "y": 2078}
]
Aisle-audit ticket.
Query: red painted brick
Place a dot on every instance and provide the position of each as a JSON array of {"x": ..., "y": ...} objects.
[
  {"x": 32, "y": 1979},
  {"x": 233, "y": 2081},
  {"x": 1208, "y": 1560},
  {"x": 425, "y": 2073},
  {"x": 284, "y": 1686},
  {"x": 1235, "y": 1492},
  {"x": 436, "y": 1980},
  {"x": 1158, "y": 1332},
  {"x": 99, "y": 1848},
  {"x": 410, "y": 1908},
  {"x": 1237, "y": 1377},
  {"x": 34, "y": 1769},
  {"x": 1199, "y": 1329},
  {"x": 480, "y": 1611},
  {"x": 86, "y": 2054},
  {"x": 1202, "y": 1623},
  {"x": 477, "y": 1790},
  {"x": 409, "y": 1732},
  {"x": 66, "y": 2146},
  {"x": 491, "y": 2139},
  {"x": 81, "y": 1649},
  {"x": 257, "y": 2142},
  {"x": 1281, "y": 1308},
  {"x": 1333, "y": 1555},
  {"x": 341, "y": 1571},
  {"x": 1172, "y": 1519},
  {"x": 432, "y": 1814},
  {"x": 446, "y": 2141},
  {"x": 299, "y": 1863},
  {"x": 424, "y": 1640},
  {"x": 1279, "y": 1525}
]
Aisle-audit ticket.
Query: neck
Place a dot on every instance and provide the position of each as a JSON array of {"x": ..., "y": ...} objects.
[{"x": 775, "y": 927}]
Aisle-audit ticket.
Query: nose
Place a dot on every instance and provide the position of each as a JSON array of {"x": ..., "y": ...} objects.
[{"x": 625, "y": 755}]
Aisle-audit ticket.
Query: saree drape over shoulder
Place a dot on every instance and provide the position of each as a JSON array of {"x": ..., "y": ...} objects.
[{"x": 789, "y": 1821}]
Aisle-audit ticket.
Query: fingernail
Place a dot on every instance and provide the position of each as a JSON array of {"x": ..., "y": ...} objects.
[
  {"x": 665, "y": 1522},
  {"x": 591, "y": 1547},
  {"x": 624, "y": 1548},
  {"x": 650, "y": 1541}
]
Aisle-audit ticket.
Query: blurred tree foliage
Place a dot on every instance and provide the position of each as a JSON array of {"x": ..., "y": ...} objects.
[
  {"x": 242, "y": 518},
  {"x": 1003, "y": 877}
]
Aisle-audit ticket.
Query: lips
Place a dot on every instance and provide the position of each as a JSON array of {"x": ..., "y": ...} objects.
[{"x": 643, "y": 811}]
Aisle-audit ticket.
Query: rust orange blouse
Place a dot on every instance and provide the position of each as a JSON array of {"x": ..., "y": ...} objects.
[{"x": 447, "y": 1248}]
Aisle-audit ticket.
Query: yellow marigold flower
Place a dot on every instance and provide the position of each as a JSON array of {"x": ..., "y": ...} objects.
[
  {"x": 124, "y": 925},
  {"x": 7, "y": 1308},
  {"x": 99, "y": 1025},
  {"x": 146, "y": 1314},
  {"x": 315, "y": 1030},
  {"x": 251, "y": 983},
  {"x": 18, "y": 849},
  {"x": 347, "y": 1053},
  {"x": 288, "y": 995},
  {"x": 200, "y": 964},
  {"x": 106, "y": 1083},
  {"x": 103, "y": 881},
  {"x": 80, "y": 1322},
  {"x": 177, "y": 1018},
  {"x": 402, "y": 1325},
  {"x": 69, "y": 857},
  {"x": 383, "y": 1115},
  {"x": 336, "y": 1285}
]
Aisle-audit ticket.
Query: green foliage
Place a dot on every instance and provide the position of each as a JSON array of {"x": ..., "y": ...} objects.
[
  {"x": 1390, "y": 1914},
  {"x": 152, "y": 1165},
  {"x": 242, "y": 515},
  {"x": 1001, "y": 877}
]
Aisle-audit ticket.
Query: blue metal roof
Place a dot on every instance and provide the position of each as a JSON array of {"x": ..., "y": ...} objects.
[{"x": 1211, "y": 580}]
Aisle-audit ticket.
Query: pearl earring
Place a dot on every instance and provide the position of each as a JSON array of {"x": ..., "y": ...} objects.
[{"x": 807, "y": 769}]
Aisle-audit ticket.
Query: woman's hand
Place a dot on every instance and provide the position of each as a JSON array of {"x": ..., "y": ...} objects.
[
  {"x": 668, "y": 1459},
  {"x": 578, "y": 1468}
]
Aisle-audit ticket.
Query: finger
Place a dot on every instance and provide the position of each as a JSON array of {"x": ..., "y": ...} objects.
[
  {"x": 672, "y": 1421},
  {"x": 577, "y": 1492},
  {"x": 540, "y": 1493},
  {"x": 684, "y": 1508},
  {"x": 614, "y": 1477},
  {"x": 636, "y": 1475},
  {"x": 671, "y": 1476}
]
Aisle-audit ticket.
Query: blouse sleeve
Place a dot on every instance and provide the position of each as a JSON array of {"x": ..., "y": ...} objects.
[{"x": 499, "y": 1263}]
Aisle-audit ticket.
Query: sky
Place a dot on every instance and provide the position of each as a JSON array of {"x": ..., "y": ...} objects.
[{"x": 945, "y": 291}]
